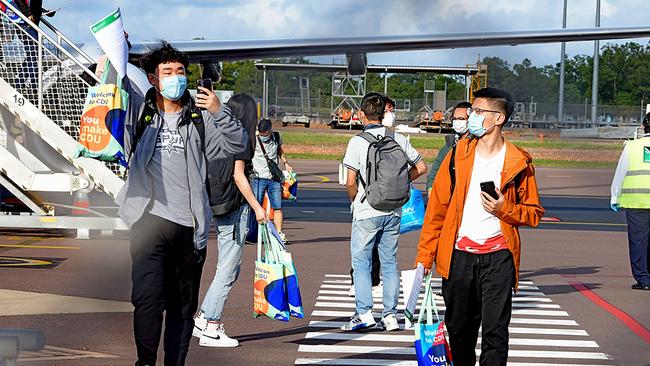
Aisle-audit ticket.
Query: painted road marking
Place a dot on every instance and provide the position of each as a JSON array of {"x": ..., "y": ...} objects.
[
  {"x": 323, "y": 179},
  {"x": 51, "y": 353},
  {"x": 35, "y": 303},
  {"x": 386, "y": 362},
  {"x": 409, "y": 338},
  {"x": 513, "y": 330},
  {"x": 540, "y": 331},
  {"x": 440, "y": 307},
  {"x": 15, "y": 262},
  {"x": 385, "y": 350},
  {"x": 438, "y": 299},
  {"x": 37, "y": 246}
]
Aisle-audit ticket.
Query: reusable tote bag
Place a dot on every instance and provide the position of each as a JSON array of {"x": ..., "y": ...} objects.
[
  {"x": 269, "y": 289},
  {"x": 290, "y": 274},
  {"x": 290, "y": 186},
  {"x": 412, "y": 212},
  {"x": 431, "y": 345},
  {"x": 101, "y": 131}
]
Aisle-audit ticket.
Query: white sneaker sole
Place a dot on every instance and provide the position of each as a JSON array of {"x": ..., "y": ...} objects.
[
  {"x": 218, "y": 345},
  {"x": 196, "y": 332}
]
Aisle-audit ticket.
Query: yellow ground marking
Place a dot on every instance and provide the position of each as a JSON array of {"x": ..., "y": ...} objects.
[
  {"x": 581, "y": 223},
  {"x": 37, "y": 246},
  {"x": 323, "y": 179},
  {"x": 23, "y": 262}
]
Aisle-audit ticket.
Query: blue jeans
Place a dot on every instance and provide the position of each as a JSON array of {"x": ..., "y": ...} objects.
[
  {"x": 261, "y": 185},
  {"x": 384, "y": 232},
  {"x": 231, "y": 230}
]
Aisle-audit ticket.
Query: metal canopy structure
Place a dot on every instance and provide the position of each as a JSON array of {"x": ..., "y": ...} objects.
[
  {"x": 466, "y": 71},
  {"x": 393, "y": 69}
]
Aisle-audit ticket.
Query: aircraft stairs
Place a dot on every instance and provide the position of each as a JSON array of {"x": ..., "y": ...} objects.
[{"x": 44, "y": 78}]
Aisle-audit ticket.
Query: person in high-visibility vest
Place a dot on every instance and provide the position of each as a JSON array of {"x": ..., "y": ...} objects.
[{"x": 631, "y": 190}]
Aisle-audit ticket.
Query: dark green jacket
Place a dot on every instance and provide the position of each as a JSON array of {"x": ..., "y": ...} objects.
[{"x": 450, "y": 141}]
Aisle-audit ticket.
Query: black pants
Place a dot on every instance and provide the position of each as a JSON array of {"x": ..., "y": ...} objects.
[
  {"x": 638, "y": 228},
  {"x": 479, "y": 290},
  {"x": 166, "y": 275},
  {"x": 376, "y": 266}
]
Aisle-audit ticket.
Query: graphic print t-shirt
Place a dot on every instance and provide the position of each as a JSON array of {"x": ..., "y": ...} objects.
[{"x": 168, "y": 171}]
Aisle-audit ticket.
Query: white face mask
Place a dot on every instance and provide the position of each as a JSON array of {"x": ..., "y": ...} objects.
[
  {"x": 459, "y": 126},
  {"x": 389, "y": 119}
]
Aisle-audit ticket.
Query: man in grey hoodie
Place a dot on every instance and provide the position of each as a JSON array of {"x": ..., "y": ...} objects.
[{"x": 170, "y": 139}]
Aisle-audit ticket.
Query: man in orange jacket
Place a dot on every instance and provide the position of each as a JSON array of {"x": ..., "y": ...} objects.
[{"x": 472, "y": 237}]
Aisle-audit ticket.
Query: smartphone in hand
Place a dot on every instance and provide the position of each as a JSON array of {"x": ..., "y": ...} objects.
[
  {"x": 205, "y": 83},
  {"x": 488, "y": 187}
]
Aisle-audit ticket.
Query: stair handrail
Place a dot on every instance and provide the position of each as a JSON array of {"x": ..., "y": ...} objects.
[
  {"x": 42, "y": 34},
  {"x": 58, "y": 33}
]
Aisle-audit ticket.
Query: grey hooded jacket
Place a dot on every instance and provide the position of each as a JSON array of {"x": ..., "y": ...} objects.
[{"x": 224, "y": 136}]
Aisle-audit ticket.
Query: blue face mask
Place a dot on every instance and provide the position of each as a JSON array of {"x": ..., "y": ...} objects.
[
  {"x": 173, "y": 87},
  {"x": 475, "y": 125}
]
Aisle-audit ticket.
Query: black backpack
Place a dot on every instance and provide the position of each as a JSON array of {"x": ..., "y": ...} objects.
[{"x": 223, "y": 194}]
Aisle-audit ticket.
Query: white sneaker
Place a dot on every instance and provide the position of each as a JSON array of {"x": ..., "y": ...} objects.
[
  {"x": 215, "y": 336},
  {"x": 199, "y": 324},
  {"x": 351, "y": 292},
  {"x": 390, "y": 322},
  {"x": 378, "y": 291},
  {"x": 359, "y": 322},
  {"x": 283, "y": 237}
]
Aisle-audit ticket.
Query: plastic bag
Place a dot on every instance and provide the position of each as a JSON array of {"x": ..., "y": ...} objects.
[{"x": 412, "y": 212}]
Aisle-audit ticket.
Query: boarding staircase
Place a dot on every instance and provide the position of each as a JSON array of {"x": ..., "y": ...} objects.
[{"x": 44, "y": 78}]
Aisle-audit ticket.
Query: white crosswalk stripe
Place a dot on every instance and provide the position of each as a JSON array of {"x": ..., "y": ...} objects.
[{"x": 541, "y": 333}]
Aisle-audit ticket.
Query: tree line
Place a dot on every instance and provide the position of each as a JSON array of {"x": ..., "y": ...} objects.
[{"x": 624, "y": 79}]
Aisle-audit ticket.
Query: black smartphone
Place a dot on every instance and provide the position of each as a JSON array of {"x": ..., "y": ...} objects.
[
  {"x": 488, "y": 187},
  {"x": 205, "y": 83}
]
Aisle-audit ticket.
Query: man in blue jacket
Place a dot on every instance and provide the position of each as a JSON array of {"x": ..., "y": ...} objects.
[{"x": 170, "y": 139}]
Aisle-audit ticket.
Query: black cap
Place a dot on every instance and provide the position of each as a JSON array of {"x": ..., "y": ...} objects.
[{"x": 264, "y": 125}]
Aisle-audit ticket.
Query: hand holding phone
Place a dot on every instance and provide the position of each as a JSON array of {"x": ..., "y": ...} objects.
[
  {"x": 204, "y": 83},
  {"x": 489, "y": 188}
]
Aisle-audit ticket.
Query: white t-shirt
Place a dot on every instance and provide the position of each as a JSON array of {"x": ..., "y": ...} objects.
[
  {"x": 477, "y": 224},
  {"x": 356, "y": 158}
]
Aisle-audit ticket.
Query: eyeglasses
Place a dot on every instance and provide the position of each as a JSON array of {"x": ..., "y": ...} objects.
[{"x": 480, "y": 111}]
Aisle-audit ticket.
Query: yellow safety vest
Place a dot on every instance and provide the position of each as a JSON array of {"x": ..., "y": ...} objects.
[{"x": 635, "y": 192}]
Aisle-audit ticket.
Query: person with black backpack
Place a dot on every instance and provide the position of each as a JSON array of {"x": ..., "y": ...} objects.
[
  {"x": 381, "y": 166},
  {"x": 170, "y": 140},
  {"x": 230, "y": 200}
]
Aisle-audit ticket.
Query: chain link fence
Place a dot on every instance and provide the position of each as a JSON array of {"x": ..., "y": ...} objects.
[{"x": 39, "y": 69}]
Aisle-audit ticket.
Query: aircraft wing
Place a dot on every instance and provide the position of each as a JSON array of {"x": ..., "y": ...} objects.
[{"x": 214, "y": 51}]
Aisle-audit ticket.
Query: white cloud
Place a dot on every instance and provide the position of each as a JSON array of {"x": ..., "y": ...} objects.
[{"x": 251, "y": 19}]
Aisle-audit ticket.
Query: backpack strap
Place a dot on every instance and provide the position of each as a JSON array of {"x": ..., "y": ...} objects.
[{"x": 452, "y": 169}]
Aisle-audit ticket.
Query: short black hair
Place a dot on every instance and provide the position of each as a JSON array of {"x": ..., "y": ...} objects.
[
  {"x": 501, "y": 99},
  {"x": 265, "y": 125},
  {"x": 373, "y": 105},
  {"x": 388, "y": 101},
  {"x": 461, "y": 105},
  {"x": 646, "y": 123},
  {"x": 163, "y": 54}
]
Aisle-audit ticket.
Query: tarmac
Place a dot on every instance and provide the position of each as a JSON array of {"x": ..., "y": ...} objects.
[{"x": 575, "y": 306}]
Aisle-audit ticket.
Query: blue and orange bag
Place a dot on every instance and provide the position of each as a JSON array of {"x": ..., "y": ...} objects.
[
  {"x": 101, "y": 130},
  {"x": 431, "y": 346},
  {"x": 269, "y": 288}
]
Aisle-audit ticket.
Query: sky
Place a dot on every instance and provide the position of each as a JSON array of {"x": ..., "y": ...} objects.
[{"x": 147, "y": 20}]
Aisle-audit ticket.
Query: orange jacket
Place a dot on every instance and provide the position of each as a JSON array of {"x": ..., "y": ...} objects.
[{"x": 444, "y": 212}]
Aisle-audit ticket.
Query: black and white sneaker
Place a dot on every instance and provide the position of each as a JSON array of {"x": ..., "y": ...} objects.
[{"x": 214, "y": 335}]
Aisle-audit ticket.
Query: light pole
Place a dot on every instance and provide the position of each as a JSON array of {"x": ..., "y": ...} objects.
[
  {"x": 560, "y": 107},
  {"x": 594, "y": 80}
]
